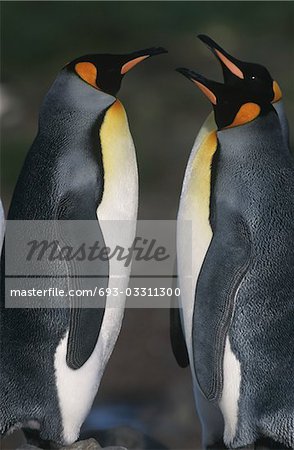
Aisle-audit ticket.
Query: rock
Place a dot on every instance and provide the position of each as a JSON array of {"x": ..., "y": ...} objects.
[
  {"x": 28, "y": 447},
  {"x": 123, "y": 437},
  {"x": 89, "y": 444},
  {"x": 13, "y": 440}
]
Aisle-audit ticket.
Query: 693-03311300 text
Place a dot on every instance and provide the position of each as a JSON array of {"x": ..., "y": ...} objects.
[{"x": 135, "y": 291}]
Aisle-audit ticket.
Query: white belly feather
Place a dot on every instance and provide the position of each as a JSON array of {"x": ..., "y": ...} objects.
[
  {"x": 77, "y": 388},
  {"x": 195, "y": 207}
]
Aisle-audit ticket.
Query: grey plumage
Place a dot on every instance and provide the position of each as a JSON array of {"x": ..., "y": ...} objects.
[
  {"x": 245, "y": 289},
  {"x": 62, "y": 178}
]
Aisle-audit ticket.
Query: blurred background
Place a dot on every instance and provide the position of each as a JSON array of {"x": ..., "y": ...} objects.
[{"x": 142, "y": 387}]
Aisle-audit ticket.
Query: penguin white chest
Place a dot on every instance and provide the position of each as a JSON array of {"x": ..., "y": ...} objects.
[
  {"x": 116, "y": 214},
  {"x": 194, "y": 207}
]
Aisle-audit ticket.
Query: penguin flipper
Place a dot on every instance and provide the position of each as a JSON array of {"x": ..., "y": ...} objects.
[
  {"x": 85, "y": 323},
  {"x": 81, "y": 340},
  {"x": 2, "y": 224},
  {"x": 90, "y": 277},
  {"x": 223, "y": 269},
  {"x": 177, "y": 338}
]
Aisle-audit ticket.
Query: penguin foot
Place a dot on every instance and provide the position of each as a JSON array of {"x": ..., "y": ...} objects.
[
  {"x": 260, "y": 444},
  {"x": 216, "y": 446},
  {"x": 267, "y": 443},
  {"x": 33, "y": 439}
]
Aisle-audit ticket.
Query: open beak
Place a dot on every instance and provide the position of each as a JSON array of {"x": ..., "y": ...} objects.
[
  {"x": 230, "y": 65},
  {"x": 136, "y": 57},
  {"x": 205, "y": 85},
  {"x": 190, "y": 74}
]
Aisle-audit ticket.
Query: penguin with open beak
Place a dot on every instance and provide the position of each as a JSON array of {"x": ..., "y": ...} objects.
[
  {"x": 81, "y": 167},
  {"x": 240, "y": 75},
  {"x": 251, "y": 76},
  {"x": 256, "y": 79},
  {"x": 238, "y": 310}
]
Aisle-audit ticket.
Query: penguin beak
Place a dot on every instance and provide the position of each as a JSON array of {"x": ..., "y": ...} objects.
[
  {"x": 134, "y": 58},
  {"x": 205, "y": 85},
  {"x": 230, "y": 65}
]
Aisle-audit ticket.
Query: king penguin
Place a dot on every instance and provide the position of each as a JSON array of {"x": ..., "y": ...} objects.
[
  {"x": 81, "y": 167},
  {"x": 252, "y": 76},
  {"x": 240, "y": 319},
  {"x": 238, "y": 74},
  {"x": 256, "y": 79}
]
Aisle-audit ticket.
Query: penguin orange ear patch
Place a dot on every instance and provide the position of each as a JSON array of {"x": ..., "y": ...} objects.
[
  {"x": 230, "y": 65},
  {"x": 88, "y": 72},
  {"x": 277, "y": 92},
  {"x": 209, "y": 94},
  {"x": 247, "y": 113},
  {"x": 130, "y": 64}
]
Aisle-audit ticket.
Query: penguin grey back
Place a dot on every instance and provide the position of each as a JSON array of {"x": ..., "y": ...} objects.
[
  {"x": 65, "y": 156},
  {"x": 62, "y": 178},
  {"x": 245, "y": 289}
]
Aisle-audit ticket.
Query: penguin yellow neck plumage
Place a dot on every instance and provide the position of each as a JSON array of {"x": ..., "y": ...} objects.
[
  {"x": 277, "y": 92},
  {"x": 195, "y": 197},
  {"x": 120, "y": 193},
  {"x": 201, "y": 175}
]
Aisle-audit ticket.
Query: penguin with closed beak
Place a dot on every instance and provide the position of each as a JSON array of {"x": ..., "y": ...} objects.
[
  {"x": 80, "y": 169},
  {"x": 241, "y": 199}
]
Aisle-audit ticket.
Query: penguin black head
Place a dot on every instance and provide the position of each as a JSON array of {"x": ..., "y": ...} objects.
[
  {"x": 244, "y": 74},
  {"x": 232, "y": 106},
  {"x": 105, "y": 72}
]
